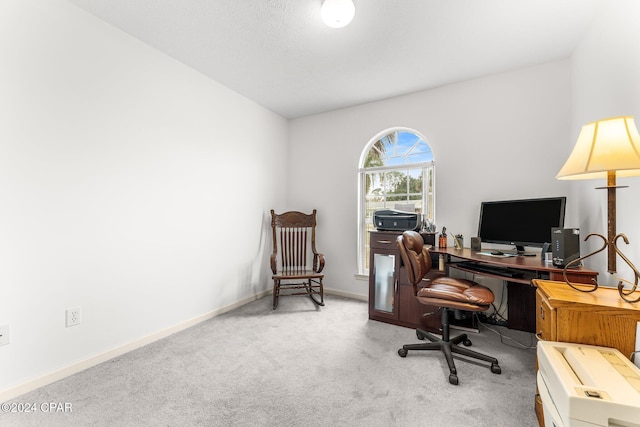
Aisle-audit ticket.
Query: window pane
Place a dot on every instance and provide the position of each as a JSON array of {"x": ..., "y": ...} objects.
[{"x": 398, "y": 148}]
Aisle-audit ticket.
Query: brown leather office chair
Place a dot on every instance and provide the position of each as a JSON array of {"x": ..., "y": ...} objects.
[
  {"x": 447, "y": 293},
  {"x": 295, "y": 262}
]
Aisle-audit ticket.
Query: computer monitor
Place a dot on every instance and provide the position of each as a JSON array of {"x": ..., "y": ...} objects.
[{"x": 525, "y": 222}]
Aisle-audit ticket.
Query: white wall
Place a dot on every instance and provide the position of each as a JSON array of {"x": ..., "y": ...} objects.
[
  {"x": 493, "y": 138},
  {"x": 606, "y": 83},
  {"x": 114, "y": 159},
  {"x": 130, "y": 186}
]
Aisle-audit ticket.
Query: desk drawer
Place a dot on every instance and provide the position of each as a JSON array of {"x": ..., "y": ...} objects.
[
  {"x": 545, "y": 318},
  {"x": 383, "y": 241}
]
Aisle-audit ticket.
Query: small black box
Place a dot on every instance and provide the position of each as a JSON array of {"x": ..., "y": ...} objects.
[
  {"x": 476, "y": 244},
  {"x": 565, "y": 245}
]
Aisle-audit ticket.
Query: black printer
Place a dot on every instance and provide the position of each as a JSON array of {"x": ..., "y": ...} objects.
[{"x": 395, "y": 220}]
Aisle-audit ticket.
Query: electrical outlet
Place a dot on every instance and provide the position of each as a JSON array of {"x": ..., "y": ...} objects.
[
  {"x": 73, "y": 316},
  {"x": 4, "y": 334}
]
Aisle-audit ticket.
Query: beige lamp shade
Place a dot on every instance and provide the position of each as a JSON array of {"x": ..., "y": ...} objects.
[{"x": 604, "y": 146}]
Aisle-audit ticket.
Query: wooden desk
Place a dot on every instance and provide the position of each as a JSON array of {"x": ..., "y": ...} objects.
[
  {"x": 521, "y": 293},
  {"x": 532, "y": 267},
  {"x": 391, "y": 297}
]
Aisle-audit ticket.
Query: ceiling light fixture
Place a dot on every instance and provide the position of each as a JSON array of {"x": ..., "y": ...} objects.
[{"x": 337, "y": 13}]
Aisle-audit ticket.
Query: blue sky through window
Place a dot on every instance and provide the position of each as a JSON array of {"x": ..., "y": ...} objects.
[{"x": 405, "y": 148}]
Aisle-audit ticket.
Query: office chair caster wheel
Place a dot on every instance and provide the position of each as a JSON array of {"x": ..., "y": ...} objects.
[
  {"x": 420, "y": 335},
  {"x": 496, "y": 369},
  {"x": 467, "y": 343},
  {"x": 453, "y": 379},
  {"x": 402, "y": 352}
]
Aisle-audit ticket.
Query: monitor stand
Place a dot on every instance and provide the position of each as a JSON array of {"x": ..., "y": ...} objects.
[{"x": 521, "y": 252}]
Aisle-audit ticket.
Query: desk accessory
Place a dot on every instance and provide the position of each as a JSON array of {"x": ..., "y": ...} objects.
[
  {"x": 476, "y": 244},
  {"x": 458, "y": 241},
  {"x": 546, "y": 255},
  {"x": 442, "y": 240}
]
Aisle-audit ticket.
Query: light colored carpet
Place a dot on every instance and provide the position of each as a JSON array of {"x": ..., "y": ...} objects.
[{"x": 296, "y": 366}]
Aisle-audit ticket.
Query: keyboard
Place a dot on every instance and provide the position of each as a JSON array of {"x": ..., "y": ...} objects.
[{"x": 490, "y": 269}]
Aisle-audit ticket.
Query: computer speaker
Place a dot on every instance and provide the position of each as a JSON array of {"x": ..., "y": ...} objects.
[
  {"x": 476, "y": 244},
  {"x": 546, "y": 255}
]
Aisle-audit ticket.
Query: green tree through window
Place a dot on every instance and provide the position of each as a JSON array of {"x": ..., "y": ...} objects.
[{"x": 397, "y": 172}]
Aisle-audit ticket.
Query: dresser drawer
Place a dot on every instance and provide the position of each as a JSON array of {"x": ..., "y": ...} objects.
[{"x": 545, "y": 318}]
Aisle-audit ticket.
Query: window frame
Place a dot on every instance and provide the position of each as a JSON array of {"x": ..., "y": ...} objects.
[{"x": 427, "y": 168}]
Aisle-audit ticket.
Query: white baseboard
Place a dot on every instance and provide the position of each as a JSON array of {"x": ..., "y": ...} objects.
[
  {"x": 346, "y": 294},
  {"x": 51, "y": 377}
]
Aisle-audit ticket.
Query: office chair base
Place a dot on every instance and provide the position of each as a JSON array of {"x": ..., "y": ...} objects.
[{"x": 448, "y": 347}]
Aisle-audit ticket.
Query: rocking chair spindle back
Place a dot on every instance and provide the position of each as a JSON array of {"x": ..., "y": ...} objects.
[{"x": 294, "y": 248}]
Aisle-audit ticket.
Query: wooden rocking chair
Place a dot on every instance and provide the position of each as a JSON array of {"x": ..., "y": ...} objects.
[{"x": 294, "y": 248}]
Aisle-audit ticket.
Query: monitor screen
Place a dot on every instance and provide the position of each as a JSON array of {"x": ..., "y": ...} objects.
[{"x": 521, "y": 222}]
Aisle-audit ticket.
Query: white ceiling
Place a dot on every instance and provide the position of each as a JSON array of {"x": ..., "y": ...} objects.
[{"x": 281, "y": 55}]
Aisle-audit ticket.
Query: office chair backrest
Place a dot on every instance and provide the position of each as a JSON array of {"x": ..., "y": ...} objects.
[{"x": 415, "y": 257}]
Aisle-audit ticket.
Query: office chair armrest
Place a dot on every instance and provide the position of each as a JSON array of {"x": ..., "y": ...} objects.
[
  {"x": 318, "y": 262},
  {"x": 274, "y": 263}
]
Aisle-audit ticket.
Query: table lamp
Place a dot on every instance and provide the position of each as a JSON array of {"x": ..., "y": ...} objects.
[{"x": 607, "y": 148}]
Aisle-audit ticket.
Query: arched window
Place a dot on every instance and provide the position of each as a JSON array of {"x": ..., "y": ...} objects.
[{"x": 396, "y": 171}]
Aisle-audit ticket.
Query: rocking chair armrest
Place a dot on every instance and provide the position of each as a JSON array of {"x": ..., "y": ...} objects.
[
  {"x": 318, "y": 262},
  {"x": 274, "y": 263}
]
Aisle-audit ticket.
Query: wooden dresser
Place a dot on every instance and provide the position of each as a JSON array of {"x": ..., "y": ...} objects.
[{"x": 596, "y": 318}]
